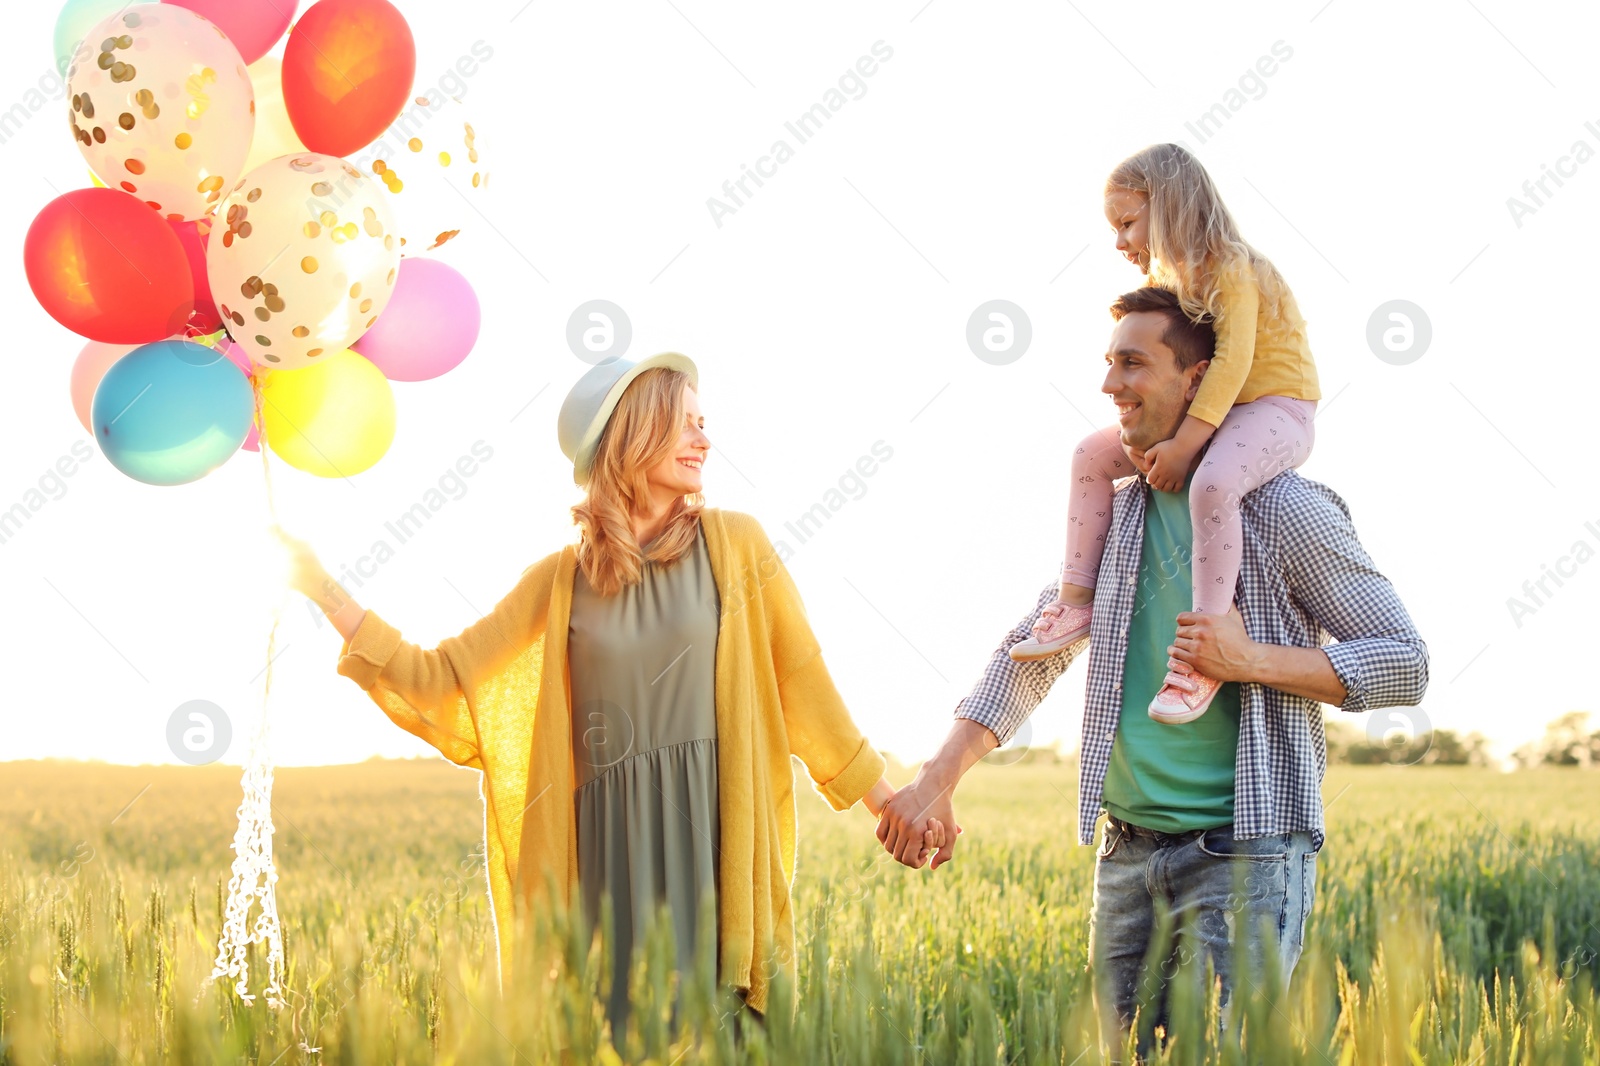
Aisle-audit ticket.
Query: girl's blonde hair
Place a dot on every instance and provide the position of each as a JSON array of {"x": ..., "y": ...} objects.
[
  {"x": 643, "y": 430},
  {"x": 1193, "y": 241}
]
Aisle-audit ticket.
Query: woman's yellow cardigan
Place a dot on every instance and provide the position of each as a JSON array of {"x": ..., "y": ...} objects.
[{"x": 496, "y": 698}]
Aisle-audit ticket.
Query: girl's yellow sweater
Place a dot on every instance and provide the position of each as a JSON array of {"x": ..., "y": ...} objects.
[
  {"x": 1257, "y": 354},
  {"x": 496, "y": 698}
]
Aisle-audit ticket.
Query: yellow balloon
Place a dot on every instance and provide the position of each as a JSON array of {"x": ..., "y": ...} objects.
[
  {"x": 275, "y": 134},
  {"x": 96, "y": 179},
  {"x": 332, "y": 418}
]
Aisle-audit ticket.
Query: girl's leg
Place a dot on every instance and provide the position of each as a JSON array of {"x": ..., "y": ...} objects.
[
  {"x": 1097, "y": 461},
  {"x": 1256, "y": 441}
]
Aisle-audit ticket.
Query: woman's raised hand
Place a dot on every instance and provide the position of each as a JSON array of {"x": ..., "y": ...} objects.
[{"x": 305, "y": 571}]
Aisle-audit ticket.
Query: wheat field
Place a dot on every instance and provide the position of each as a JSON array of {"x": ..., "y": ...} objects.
[{"x": 1457, "y": 920}]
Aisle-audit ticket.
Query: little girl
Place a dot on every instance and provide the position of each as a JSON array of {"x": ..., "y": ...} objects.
[{"x": 1255, "y": 403}]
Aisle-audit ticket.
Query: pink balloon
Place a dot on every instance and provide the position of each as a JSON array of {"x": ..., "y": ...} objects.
[
  {"x": 429, "y": 325},
  {"x": 241, "y": 359},
  {"x": 91, "y": 365},
  {"x": 253, "y": 26}
]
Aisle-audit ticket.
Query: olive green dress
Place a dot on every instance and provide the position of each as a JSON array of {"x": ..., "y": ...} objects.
[{"x": 644, "y": 736}]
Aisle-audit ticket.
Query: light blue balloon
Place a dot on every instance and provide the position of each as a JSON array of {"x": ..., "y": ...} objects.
[
  {"x": 172, "y": 411},
  {"x": 76, "y": 17}
]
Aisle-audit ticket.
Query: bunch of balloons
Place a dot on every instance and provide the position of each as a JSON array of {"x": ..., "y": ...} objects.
[{"x": 228, "y": 261}]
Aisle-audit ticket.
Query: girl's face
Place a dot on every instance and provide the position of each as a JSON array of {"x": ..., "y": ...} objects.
[
  {"x": 1129, "y": 214},
  {"x": 679, "y": 473}
]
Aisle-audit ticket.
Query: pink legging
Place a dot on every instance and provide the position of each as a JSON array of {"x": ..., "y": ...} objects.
[{"x": 1256, "y": 441}]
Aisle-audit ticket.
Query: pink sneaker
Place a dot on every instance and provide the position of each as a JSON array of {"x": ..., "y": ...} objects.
[
  {"x": 1059, "y": 626},
  {"x": 1184, "y": 695}
]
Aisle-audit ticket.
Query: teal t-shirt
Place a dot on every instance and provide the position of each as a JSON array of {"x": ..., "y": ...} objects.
[{"x": 1171, "y": 778}]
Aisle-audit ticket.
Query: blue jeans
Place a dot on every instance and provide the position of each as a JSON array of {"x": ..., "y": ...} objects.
[{"x": 1212, "y": 883}]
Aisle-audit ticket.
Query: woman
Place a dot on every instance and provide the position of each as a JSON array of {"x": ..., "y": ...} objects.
[{"x": 634, "y": 700}]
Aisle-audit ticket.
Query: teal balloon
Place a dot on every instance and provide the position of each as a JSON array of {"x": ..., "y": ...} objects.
[
  {"x": 172, "y": 411},
  {"x": 76, "y": 17}
]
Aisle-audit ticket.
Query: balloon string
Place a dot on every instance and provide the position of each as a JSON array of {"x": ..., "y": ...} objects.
[
  {"x": 272, "y": 509},
  {"x": 254, "y": 875},
  {"x": 261, "y": 443},
  {"x": 269, "y": 926}
]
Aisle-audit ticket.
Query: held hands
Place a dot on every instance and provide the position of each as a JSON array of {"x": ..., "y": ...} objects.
[
  {"x": 915, "y": 824},
  {"x": 932, "y": 838}
]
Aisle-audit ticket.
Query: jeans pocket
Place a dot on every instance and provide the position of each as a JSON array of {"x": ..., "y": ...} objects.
[
  {"x": 1308, "y": 896},
  {"x": 1110, "y": 837},
  {"x": 1220, "y": 843}
]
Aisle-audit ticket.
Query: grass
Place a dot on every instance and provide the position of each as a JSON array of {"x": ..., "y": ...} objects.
[{"x": 1457, "y": 920}]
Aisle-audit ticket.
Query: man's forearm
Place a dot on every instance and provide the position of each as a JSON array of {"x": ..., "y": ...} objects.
[
  {"x": 1298, "y": 671},
  {"x": 967, "y": 742}
]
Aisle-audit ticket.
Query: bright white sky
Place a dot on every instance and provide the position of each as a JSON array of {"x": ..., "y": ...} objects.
[{"x": 829, "y": 313}]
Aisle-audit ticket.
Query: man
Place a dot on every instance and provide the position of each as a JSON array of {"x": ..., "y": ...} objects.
[{"x": 1236, "y": 792}]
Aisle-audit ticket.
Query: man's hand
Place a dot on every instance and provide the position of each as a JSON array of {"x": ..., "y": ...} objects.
[
  {"x": 905, "y": 821},
  {"x": 907, "y": 816},
  {"x": 1168, "y": 465},
  {"x": 1216, "y": 645}
]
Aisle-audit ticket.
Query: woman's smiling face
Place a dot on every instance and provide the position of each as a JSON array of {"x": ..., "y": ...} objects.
[
  {"x": 679, "y": 474},
  {"x": 1129, "y": 215}
]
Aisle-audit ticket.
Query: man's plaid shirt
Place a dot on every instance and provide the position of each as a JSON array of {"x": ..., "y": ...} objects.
[{"x": 1303, "y": 578}]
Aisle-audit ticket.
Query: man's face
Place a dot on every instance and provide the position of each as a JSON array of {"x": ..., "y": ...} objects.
[{"x": 1142, "y": 378}]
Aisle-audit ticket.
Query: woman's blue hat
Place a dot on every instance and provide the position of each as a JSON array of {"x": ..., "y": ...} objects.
[{"x": 588, "y": 407}]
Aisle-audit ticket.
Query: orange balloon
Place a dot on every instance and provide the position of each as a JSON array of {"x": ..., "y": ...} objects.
[{"x": 347, "y": 73}]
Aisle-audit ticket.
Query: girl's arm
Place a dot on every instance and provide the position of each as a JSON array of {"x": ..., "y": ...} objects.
[{"x": 1235, "y": 352}]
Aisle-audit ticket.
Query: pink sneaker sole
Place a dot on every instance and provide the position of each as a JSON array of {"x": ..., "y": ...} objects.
[
  {"x": 1060, "y": 626},
  {"x": 1184, "y": 696}
]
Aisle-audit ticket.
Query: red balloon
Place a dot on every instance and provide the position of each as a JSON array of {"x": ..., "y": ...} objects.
[
  {"x": 194, "y": 237},
  {"x": 109, "y": 268},
  {"x": 347, "y": 73}
]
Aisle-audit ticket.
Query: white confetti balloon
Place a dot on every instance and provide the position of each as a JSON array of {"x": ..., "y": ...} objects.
[
  {"x": 162, "y": 107},
  {"x": 302, "y": 260}
]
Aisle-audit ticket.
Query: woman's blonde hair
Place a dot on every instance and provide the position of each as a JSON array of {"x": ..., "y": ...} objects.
[
  {"x": 643, "y": 430},
  {"x": 1194, "y": 241}
]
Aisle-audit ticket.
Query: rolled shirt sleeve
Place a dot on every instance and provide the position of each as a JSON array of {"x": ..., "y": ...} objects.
[
  {"x": 1008, "y": 691},
  {"x": 1379, "y": 656}
]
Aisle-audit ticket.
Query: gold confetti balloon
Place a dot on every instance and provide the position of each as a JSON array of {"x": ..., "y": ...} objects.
[
  {"x": 162, "y": 107},
  {"x": 302, "y": 260}
]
